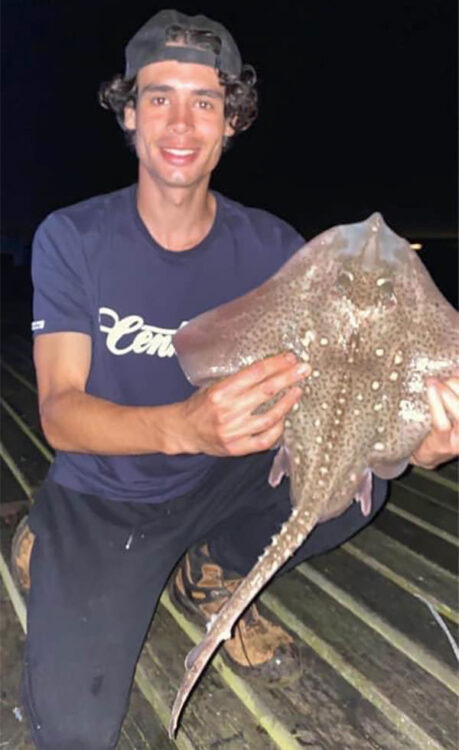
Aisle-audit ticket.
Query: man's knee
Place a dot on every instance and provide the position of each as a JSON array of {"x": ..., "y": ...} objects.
[
  {"x": 72, "y": 736},
  {"x": 69, "y": 730}
]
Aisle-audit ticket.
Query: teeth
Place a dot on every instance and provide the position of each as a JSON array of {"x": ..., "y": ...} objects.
[{"x": 179, "y": 151}]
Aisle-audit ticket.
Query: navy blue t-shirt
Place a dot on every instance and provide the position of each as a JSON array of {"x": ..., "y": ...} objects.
[{"x": 96, "y": 269}]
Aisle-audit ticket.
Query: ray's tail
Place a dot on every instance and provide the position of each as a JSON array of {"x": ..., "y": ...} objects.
[{"x": 284, "y": 544}]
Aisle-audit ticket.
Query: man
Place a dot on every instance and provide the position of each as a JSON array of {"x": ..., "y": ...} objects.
[{"x": 146, "y": 468}]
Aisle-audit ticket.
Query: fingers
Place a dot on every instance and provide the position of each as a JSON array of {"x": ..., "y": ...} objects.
[
  {"x": 249, "y": 402},
  {"x": 440, "y": 420},
  {"x": 444, "y": 403},
  {"x": 237, "y": 384},
  {"x": 451, "y": 401},
  {"x": 455, "y": 440},
  {"x": 259, "y": 423},
  {"x": 453, "y": 383},
  {"x": 256, "y": 443}
]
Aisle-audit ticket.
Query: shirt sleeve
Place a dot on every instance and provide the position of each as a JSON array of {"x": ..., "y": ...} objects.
[{"x": 59, "y": 275}]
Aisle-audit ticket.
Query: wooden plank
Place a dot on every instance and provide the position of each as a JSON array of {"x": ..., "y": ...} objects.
[
  {"x": 404, "y": 612},
  {"x": 417, "y": 521},
  {"x": 214, "y": 717},
  {"x": 427, "y": 545},
  {"x": 444, "y": 518},
  {"x": 305, "y": 708},
  {"x": 26, "y": 455},
  {"x": 439, "y": 493},
  {"x": 354, "y": 678},
  {"x": 431, "y": 707},
  {"x": 20, "y": 367},
  {"x": 450, "y": 471},
  {"x": 408, "y": 569},
  {"x": 142, "y": 729},
  {"x": 23, "y": 401},
  {"x": 435, "y": 478},
  {"x": 14, "y": 733},
  {"x": 407, "y": 645}
]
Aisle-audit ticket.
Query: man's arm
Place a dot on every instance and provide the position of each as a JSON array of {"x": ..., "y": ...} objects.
[
  {"x": 218, "y": 420},
  {"x": 442, "y": 442}
]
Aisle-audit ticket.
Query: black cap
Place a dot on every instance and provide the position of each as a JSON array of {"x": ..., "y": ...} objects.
[{"x": 150, "y": 44}]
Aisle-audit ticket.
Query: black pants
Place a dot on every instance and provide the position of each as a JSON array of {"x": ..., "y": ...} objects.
[{"x": 98, "y": 568}]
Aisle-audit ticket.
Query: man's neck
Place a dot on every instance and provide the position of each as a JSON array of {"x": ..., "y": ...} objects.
[{"x": 177, "y": 218}]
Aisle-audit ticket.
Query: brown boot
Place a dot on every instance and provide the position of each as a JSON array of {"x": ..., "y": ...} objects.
[
  {"x": 21, "y": 549},
  {"x": 258, "y": 647}
]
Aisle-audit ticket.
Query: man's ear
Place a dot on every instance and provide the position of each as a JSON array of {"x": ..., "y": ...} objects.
[
  {"x": 130, "y": 118},
  {"x": 229, "y": 129}
]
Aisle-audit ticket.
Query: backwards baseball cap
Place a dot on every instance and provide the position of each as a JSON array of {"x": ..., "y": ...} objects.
[{"x": 152, "y": 43}]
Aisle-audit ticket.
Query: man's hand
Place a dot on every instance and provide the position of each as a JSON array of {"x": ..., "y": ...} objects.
[
  {"x": 220, "y": 420},
  {"x": 442, "y": 442}
]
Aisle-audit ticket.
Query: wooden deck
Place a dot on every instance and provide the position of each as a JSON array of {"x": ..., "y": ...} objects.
[{"x": 378, "y": 670}]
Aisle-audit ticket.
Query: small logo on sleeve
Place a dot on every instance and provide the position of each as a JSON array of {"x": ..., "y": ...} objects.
[{"x": 37, "y": 325}]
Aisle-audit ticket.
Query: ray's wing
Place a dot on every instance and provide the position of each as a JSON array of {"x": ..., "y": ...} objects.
[
  {"x": 429, "y": 347},
  {"x": 262, "y": 323}
]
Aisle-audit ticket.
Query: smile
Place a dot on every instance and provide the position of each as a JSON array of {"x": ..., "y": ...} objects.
[
  {"x": 179, "y": 156},
  {"x": 179, "y": 151}
]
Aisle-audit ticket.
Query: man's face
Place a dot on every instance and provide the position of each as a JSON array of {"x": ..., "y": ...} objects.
[{"x": 179, "y": 122}]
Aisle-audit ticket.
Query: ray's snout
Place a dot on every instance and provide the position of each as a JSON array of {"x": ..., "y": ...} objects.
[{"x": 373, "y": 243}]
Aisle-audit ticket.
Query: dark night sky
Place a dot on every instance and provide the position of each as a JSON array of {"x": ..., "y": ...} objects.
[{"x": 358, "y": 109}]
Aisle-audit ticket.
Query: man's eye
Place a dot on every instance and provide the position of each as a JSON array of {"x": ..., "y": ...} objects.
[
  {"x": 203, "y": 104},
  {"x": 158, "y": 100}
]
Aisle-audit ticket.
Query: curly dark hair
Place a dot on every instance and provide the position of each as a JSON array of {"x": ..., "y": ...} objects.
[{"x": 241, "y": 97}]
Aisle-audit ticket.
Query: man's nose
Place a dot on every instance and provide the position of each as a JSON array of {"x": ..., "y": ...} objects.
[{"x": 181, "y": 118}]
